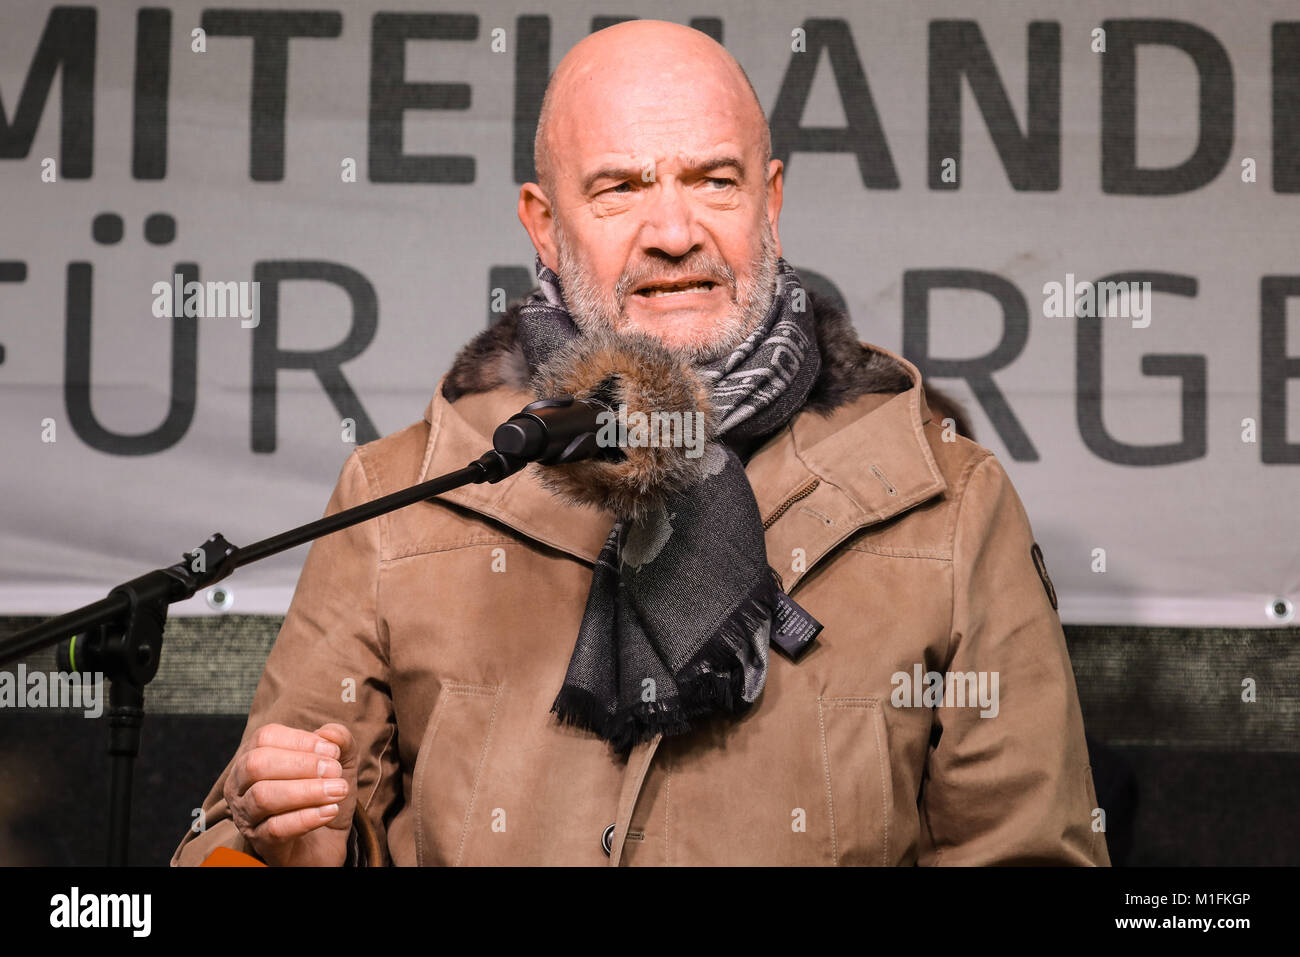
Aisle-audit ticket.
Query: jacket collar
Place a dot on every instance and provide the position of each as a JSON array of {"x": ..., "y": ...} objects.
[
  {"x": 462, "y": 431},
  {"x": 866, "y": 452}
]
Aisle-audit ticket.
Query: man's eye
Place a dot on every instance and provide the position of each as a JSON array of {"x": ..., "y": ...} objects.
[
  {"x": 721, "y": 182},
  {"x": 620, "y": 188}
]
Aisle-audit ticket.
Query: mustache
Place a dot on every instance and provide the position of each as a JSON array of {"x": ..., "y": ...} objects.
[{"x": 649, "y": 271}]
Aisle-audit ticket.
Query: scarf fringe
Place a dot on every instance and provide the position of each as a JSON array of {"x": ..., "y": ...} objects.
[
  {"x": 714, "y": 678},
  {"x": 712, "y": 682}
]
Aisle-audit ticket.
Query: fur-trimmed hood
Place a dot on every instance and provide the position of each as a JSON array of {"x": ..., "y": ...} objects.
[
  {"x": 645, "y": 376},
  {"x": 640, "y": 479},
  {"x": 849, "y": 368}
]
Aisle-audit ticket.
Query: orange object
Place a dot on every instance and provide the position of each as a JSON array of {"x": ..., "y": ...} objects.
[{"x": 228, "y": 857}]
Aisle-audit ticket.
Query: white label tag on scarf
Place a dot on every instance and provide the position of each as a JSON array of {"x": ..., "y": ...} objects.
[{"x": 793, "y": 629}]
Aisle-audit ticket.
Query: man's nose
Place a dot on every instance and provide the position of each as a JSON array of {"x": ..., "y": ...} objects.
[{"x": 670, "y": 227}]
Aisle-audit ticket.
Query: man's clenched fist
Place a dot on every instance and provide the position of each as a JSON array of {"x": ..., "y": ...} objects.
[{"x": 292, "y": 793}]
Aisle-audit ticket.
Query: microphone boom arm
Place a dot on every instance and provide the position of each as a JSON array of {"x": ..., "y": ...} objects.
[{"x": 122, "y": 635}]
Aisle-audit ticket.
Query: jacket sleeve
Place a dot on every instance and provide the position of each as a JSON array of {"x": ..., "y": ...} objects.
[
  {"x": 329, "y": 663},
  {"x": 1013, "y": 786}
]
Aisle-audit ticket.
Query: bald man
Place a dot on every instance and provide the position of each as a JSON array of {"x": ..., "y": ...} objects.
[{"x": 828, "y": 638}]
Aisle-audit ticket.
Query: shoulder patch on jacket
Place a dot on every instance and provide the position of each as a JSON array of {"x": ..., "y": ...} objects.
[{"x": 1040, "y": 564}]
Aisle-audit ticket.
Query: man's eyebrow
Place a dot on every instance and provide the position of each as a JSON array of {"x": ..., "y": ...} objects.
[
  {"x": 694, "y": 164},
  {"x": 708, "y": 163},
  {"x": 619, "y": 173}
]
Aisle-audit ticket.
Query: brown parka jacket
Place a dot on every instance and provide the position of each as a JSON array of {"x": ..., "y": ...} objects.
[{"x": 455, "y": 621}]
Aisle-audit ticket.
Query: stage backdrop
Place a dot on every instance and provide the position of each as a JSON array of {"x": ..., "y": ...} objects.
[{"x": 958, "y": 173}]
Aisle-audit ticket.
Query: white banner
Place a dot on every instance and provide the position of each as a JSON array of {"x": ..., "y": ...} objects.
[{"x": 959, "y": 173}]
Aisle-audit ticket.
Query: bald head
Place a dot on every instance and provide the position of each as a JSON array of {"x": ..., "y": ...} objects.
[
  {"x": 658, "y": 69},
  {"x": 657, "y": 200}
]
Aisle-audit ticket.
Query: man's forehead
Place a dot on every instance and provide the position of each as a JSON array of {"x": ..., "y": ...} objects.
[
  {"x": 677, "y": 138},
  {"x": 632, "y": 108},
  {"x": 639, "y": 89}
]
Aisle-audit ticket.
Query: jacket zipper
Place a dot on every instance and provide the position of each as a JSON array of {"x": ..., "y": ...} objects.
[{"x": 784, "y": 506}]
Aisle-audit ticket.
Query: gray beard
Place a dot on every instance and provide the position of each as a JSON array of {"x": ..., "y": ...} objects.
[{"x": 594, "y": 308}]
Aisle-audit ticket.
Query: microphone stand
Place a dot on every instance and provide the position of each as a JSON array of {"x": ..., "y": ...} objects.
[{"x": 121, "y": 635}]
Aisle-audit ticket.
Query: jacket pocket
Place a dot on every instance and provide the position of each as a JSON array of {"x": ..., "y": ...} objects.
[
  {"x": 449, "y": 769},
  {"x": 859, "y": 783}
]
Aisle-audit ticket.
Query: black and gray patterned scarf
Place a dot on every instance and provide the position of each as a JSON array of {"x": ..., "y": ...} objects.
[{"x": 682, "y": 602}]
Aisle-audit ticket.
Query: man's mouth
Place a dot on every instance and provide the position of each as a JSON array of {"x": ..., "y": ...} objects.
[{"x": 679, "y": 287}]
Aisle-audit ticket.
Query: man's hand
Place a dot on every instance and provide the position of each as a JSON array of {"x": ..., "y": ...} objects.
[{"x": 292, "y": 793}]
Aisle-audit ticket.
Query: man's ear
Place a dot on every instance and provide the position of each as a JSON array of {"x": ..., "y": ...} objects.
[
  {"x": 536, "y": 215},
  {"x": 775, "y": 184}
]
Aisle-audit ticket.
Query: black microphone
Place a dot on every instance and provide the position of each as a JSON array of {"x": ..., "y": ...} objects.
[{"x": 551, "y": 431}]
